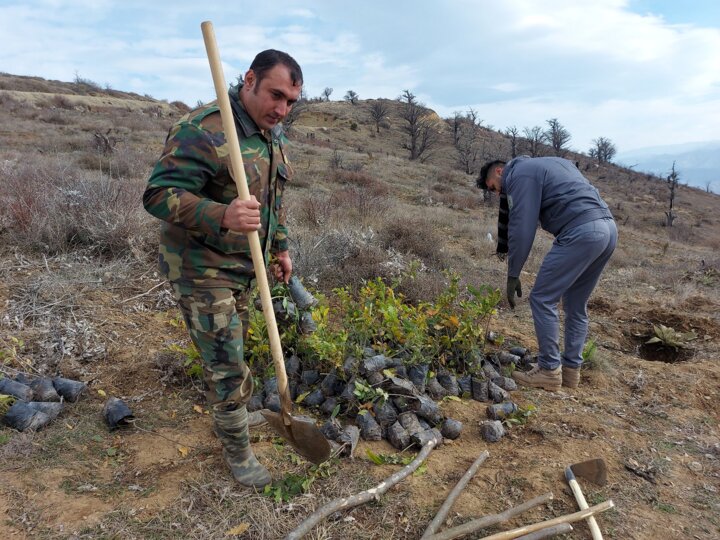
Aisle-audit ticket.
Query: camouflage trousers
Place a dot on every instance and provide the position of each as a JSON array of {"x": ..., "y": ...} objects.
[{"x": 217, "y": 320}]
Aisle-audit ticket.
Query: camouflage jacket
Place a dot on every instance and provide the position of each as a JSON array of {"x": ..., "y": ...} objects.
[{"x": 190, "y": 188}]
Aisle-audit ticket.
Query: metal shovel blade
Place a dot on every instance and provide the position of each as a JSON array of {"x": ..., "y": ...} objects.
[
  {"x": 593, "y": 470},
  {"x": 302, "y": 434}
]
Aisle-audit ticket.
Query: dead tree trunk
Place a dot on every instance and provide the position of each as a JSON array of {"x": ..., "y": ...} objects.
[{"x": 672, "y": 183}]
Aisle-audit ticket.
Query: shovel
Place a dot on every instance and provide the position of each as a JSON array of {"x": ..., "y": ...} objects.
[
  {"x": 301, "y": 433},
  {"x": 595, "y": 471}
]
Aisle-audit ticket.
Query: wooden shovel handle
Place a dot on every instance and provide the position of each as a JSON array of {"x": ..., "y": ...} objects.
[
  {"x": 582, "y": 503},
  {"x": 238, "y": 174}
]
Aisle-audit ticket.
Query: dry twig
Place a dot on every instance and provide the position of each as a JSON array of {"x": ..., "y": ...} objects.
[
  {"x": 445, "y": 508},
  {"x": 364, "y": 496},
  {"x": 487, "y": 521}
]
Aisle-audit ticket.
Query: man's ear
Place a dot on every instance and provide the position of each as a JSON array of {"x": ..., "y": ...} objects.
[{"x": 250, "y": 79}]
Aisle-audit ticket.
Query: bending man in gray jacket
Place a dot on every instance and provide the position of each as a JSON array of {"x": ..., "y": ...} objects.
[{"x": 553, "y": 191}]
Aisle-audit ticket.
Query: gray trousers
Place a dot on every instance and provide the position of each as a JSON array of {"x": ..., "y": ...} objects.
[{"x": 570, "y": 271}]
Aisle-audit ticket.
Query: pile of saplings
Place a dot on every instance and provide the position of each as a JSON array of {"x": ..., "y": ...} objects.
[{"x": 387, "y": 399}]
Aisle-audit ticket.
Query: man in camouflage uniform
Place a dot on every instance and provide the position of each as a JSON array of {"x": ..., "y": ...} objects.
[{"x": 204, "y": 250}]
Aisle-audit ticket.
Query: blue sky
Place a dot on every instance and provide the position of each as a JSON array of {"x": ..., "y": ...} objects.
[{"x": 640, "y": 72}]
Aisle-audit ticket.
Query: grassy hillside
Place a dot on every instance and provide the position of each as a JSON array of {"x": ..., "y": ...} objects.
[{"x": 82, "y": 298}]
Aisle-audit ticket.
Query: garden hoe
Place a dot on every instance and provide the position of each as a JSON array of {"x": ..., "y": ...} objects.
[
  {"x": 595, "y": 471},
  {"x": 301, "y": 433}
]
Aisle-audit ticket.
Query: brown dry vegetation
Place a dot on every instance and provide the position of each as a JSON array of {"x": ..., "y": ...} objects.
[{"x": 82, "y": 298}]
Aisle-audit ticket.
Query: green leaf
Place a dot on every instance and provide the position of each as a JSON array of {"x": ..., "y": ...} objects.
[
  {"x": 377, "y": 460},
  {"x": 301, "y": 397},
  {"x": 452, "y": 398},
  {"x": 335, "y": 411}
]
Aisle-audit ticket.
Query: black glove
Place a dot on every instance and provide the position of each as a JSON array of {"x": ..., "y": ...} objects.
[{"x": 513, "y": 287}]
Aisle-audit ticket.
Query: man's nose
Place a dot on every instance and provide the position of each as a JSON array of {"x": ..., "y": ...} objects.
[{"x": 281, "y": 109}]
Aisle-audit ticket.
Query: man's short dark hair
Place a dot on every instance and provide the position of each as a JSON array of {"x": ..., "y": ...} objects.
[
  {"x": 481, "y": 181},
  {"x": 270, "y": 58}
]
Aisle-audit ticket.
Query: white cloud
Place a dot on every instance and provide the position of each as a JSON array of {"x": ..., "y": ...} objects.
[{"x": 597, "y": 66}]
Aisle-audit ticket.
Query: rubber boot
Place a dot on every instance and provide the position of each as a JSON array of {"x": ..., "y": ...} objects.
[
  {"x": 231, "y": 427},
  {"x": 570, "y": 377}
]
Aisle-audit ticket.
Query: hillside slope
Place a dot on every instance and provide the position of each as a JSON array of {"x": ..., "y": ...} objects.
[{"x": 82, "y": 298}]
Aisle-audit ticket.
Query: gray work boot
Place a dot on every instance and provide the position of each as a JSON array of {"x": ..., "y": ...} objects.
[
  {"x": 570, "y": 376},
  {"x": 231, "y": 427},
  {"x": 537, "y": 377}
]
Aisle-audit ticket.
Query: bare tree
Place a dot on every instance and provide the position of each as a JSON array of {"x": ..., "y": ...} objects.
[
  {"x": 603, "y": 150},
  {"x": 466, "y": 140},
  {"x": 378, "y": 111},
  {"x": 535, "y": 138},
  {"x": 421, "y": 130},
  {"x": 672, "y": 180},
  {"x": 558, "y": 136},
  {"x": 325, "y": 96},
  {"x": 455, "y": 123},
  {"x": 352, "y": 97},
  {"x": 708, "y": 186},
  {"x": 512, "y": 133},
  {"x": 296, "y": 110}
]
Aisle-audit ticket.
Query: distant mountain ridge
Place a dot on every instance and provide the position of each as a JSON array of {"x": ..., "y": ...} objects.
[{"x": 698, "y": 163}]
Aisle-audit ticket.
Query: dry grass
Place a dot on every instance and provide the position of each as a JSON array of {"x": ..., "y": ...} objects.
[
  {"x": 51, "y": 207},
  {"x": 81, "y": 297}
]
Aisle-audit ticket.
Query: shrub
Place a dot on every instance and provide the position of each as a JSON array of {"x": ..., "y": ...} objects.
[
  {"x": 419, "y": 237},
  {"x": 49, "y": 208}
]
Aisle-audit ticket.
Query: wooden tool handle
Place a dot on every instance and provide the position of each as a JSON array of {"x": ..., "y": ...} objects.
[
  {"x": 582, "y": 503},
  {"x": 238, "y": 174},
  {"x": 570, "y": 518}
]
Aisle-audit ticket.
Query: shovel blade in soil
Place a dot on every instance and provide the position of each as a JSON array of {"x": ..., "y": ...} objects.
[
  {"x": 302, "y": 434},
  {"x": 593, "y": 470}
]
